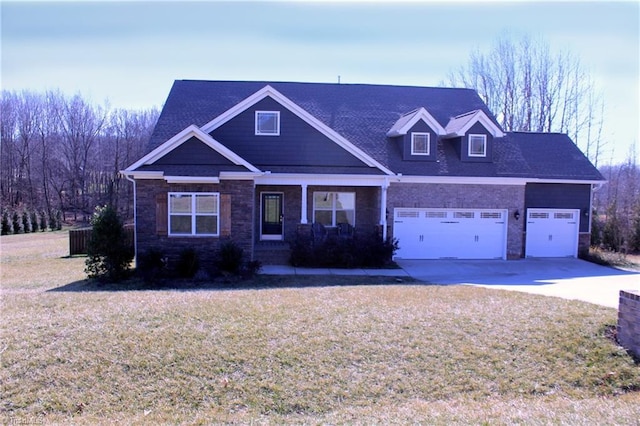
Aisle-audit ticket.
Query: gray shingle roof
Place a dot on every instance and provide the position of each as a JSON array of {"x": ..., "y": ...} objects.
[{"x": 363, "y": 114}]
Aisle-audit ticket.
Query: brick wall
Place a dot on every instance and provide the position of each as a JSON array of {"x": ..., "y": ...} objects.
[
  {"x": 465, "y": 197},
  {"x": 629, "y": 321},
  {"x": 241, "y": 195}
]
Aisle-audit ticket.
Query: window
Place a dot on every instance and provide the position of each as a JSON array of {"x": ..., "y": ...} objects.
[
  {"x": 420, "y": 143},
  {"x": 194, "y": 213},
  {"x": 332, "y": 208},
  {"x": 268, "y": 123},
  {"x": 477, "y": 145}
]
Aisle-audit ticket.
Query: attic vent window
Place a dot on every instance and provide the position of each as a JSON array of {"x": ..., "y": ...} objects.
[
  {"x": 420, "y": 143},
  {"x": 477, "y": 145},
  {"x": 268, "y": 123}
]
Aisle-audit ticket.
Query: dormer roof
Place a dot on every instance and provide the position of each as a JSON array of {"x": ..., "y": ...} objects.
[
  {"x": 408, "y": 120},
  {"x": 459, "y": 125}
]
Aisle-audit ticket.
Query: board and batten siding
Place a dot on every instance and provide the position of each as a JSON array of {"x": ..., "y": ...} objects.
[{"x": 298, "y": 144}]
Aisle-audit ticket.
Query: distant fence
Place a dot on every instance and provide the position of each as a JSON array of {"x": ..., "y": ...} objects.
[{"x": 79, "y": 239}]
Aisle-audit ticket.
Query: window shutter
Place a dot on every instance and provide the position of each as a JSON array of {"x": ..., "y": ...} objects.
[
  {"x": 161, "y": 214},
  {"x": 225, "y": 215}
]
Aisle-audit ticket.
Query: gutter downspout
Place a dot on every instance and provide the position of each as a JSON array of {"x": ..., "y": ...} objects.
[{"x": 135, "y": 219}]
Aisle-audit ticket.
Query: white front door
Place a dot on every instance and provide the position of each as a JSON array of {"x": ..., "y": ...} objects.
[
  {"x": 450, "y": 233},
  {"x": 552, "y": 233}
]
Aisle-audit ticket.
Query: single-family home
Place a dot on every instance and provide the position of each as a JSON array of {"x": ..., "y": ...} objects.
[{"x": 256, "y": 162}]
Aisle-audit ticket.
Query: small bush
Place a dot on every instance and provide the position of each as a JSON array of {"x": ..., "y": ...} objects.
[
  {"x": 35, "y": 223},
  {"x": 109, "y": 254},
  {"x": 26, "y": 223},
  {"x": 188, "y": 263},
  {"x": 230, "y": 258},
  {"x": 43, "y": 221},
  {"x": 152, "y": 265},
  {"x": 15, "y": 223},
  {"x": 5, "y": 227},
  {"x": 59, "y": 220}
]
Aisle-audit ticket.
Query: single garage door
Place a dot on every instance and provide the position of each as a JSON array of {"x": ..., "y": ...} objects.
[
  {"x": 552, "y": 233},
  {"x": 450, "y": 233}
]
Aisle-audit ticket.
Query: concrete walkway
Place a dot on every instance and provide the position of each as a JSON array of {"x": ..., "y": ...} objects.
[
  {"x": 567, "y": 278},
  {"x": 291, "y": 270}
]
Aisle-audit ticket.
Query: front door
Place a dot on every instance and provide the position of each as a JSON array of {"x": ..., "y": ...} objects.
[{"x": 271, "y": 216}]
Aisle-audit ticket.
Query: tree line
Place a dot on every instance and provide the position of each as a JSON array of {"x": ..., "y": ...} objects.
[{"x": 61, "y": 155}]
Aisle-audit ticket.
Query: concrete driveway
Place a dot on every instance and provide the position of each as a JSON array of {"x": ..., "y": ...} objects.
[{"x": 566, "y": 277}]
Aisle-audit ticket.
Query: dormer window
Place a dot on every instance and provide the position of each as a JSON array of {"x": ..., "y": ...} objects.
[
  {"x": 268, "y": 123},
  {"x": 477, "y": 145},
  {"x": 420, "y": 143}
]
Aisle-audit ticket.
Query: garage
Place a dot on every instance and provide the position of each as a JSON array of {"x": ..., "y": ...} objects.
[
  {"x": 552, "y": 232},
  {"x": 450, "y": 233}
]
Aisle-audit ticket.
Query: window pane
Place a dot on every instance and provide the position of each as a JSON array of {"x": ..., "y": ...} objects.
[
  {"x": 206, "y": 224},
  {"x": 477, "y": 145},
  {"x": 180, "y": 203},
  {"x": 267, "y": 122},
  {"x": 420, "y": 144},
  {"x": 323, "y": 200},
  {"x": 323, "y": 217},
  {"x": 180, "y": 224},
  {"x": 206, "y": 204},
  {"x": 345, "y": 216},
  {"x": 345, "y": 201}
]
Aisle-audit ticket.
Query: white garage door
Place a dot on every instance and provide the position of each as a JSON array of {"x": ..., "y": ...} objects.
[
  {"x": 552, "y": 233},
  {"x": 449, "y": 233}
]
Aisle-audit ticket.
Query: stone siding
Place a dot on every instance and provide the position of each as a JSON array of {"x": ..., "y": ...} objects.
[
  {"x": 453, "y": 196},
  {"x": 629, "y": 321},
  {"x": 241, "y": 195}
]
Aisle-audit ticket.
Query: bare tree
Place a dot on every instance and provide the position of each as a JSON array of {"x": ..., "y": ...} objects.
[{"x": 532, "y": 89}]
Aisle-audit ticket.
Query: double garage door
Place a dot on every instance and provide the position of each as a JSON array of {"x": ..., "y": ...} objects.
[
  {"x": 482, "y": 234},
  {"x": 450, "y": 233}
]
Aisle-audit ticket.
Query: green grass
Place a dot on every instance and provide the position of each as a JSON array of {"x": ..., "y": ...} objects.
[{"x": 402, "y": 353}]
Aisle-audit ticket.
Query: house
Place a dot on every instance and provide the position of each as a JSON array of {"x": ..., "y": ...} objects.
[{"x": 258, "y": 162}]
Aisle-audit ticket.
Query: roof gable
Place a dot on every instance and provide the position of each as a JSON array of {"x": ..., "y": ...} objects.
[
  {"x": 407, "y": 121},
  {"x": 459, "y": 125},
  {"x": 184, "y": 136},
  {"x": 272, "y": 93}
]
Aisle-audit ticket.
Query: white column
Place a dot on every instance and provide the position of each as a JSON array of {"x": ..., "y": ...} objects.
[
  {"x": 383, "y": 208},
  {"x": 303, "y": 207}
]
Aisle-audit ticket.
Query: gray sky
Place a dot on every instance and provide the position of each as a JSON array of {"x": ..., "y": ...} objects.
[{"x": 130, "y": 52}]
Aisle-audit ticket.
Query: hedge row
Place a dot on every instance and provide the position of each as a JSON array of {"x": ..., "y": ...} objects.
[{"x": 26, "y": 221}]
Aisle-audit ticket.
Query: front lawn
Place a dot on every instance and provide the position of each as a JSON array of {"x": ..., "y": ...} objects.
[{"x": 395, "y": 353}]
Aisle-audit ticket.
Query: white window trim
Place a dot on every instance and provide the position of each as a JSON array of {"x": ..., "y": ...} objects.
[
  {"x": 277, "y": 132},
  {"x": 428, "y": 135},
  {"x": 484, "y": 139},
  {"x": 333, "y": 207},
  {"x": 193, "y": 214}
]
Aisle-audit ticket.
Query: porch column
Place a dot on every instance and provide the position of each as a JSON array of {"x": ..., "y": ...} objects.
[
  {"x": 383, "y": 208},
  {"x": 303, "y": 208}
]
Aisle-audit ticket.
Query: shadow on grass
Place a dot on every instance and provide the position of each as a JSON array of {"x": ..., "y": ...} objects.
[{"x": 234, "y": 283}]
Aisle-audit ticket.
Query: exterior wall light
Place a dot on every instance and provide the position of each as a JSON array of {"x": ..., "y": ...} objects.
[{"x": 516, "y": 215}]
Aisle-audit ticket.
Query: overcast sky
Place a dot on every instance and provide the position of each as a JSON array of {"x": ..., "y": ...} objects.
[{"x": 130, "y": 52}]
